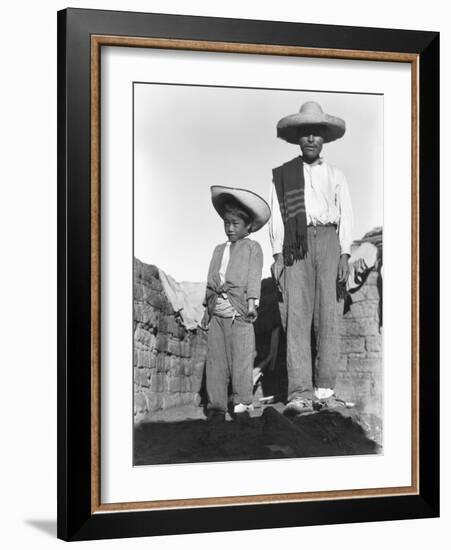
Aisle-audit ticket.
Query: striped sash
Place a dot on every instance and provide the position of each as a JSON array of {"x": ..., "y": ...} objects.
[{"x": 290, "y": 186}]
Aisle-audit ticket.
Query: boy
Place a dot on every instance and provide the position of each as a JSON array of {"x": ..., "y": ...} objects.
[{"x": 233, "y": 291}]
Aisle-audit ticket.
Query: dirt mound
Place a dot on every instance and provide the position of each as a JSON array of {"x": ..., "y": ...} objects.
[{"x": 268, "y": 436}]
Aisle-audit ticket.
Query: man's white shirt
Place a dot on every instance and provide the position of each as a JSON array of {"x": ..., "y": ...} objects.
[{"x": 327, "y": 200}]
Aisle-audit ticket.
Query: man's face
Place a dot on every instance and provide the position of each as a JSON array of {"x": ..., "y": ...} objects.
[
  {"x": 235, "y": 227},
  {"x": 311, "y": 146}
]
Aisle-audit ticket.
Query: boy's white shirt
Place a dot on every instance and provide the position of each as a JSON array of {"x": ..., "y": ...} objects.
[
  {"x": 224, "y": 262},
  {"x": 223, "y": 306}
]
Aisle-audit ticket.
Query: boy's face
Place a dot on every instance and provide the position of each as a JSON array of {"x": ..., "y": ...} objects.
[{"x": 235, "y": 228}]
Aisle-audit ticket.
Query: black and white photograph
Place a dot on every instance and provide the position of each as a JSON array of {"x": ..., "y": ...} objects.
[
  {"x": 257, "y": 272},
  {"x": 225, "y": 300}
]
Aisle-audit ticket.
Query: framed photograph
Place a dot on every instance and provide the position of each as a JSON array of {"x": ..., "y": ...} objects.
[{"x": 248, "y": 274}]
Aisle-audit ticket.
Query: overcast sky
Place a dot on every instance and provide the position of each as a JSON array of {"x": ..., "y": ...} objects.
[{"x": 188, "y": 138}]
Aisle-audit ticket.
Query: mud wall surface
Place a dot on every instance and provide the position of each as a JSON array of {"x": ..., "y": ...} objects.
[
  {"x": 168, "y": 359},
  {"x": 360, "y": 377},
  {"x": 360, "y": 370}
]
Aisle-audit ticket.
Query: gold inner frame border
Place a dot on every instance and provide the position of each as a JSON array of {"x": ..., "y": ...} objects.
[{"x": 97, "y": 41}]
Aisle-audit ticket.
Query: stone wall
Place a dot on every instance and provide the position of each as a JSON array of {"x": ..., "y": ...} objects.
[
  {"x": 360, "y": 372},
  {"x": 168, "y": 360},
  {"x": 360, "y": 377}
]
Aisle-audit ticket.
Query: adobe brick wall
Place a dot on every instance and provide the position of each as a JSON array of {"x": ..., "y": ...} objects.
[
  {"x": 168, "y": 360},
  {"x": 360, "y": 371},
  {"x": 360, "y": 376}
]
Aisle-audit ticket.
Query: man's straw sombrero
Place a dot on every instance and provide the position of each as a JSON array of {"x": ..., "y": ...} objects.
[
  {"x": 310, "y": 120},
  {"x": 257, "y": 207}
]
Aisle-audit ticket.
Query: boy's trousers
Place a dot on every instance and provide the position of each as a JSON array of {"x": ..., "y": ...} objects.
[
  {"x": 230, "y": 355},
  {"x": 309, "y": 291}
]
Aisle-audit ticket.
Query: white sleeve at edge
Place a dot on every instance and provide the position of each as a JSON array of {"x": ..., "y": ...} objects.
[
  {"x": 346, "y": 217},
  {"x": 276, "y": 228}
]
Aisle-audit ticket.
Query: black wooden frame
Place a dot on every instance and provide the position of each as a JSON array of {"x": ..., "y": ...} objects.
[{"x": 75, "y": 519}]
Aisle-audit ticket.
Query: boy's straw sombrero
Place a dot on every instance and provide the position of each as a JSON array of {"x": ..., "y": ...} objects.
[
  {"x": 310, "y": 119},
  {"x": 257, "y": 207}
]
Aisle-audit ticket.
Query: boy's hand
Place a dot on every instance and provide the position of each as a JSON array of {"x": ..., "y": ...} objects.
[
  {"x": 251, "y": 311},
  {"x": 205, "y": 320}
]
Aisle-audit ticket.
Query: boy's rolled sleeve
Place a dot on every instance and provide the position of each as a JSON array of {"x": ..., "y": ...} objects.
[{"x": 255, "y": 271}]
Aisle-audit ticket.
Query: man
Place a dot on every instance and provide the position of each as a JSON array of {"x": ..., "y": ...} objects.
[{"x": 310, "y": 232}]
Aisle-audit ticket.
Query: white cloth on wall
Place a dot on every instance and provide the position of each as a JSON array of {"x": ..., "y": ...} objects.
[{"x": 185, "y": 298}]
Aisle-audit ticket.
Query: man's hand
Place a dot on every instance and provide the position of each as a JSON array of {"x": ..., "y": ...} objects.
[
  {"x": 278, "y": 258},
  {"x": 343, "y": 268},
  {"x": 205, "y": 320},
  {"x": 277, "y": 268},
  {"x": 251, "y": 310}
]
